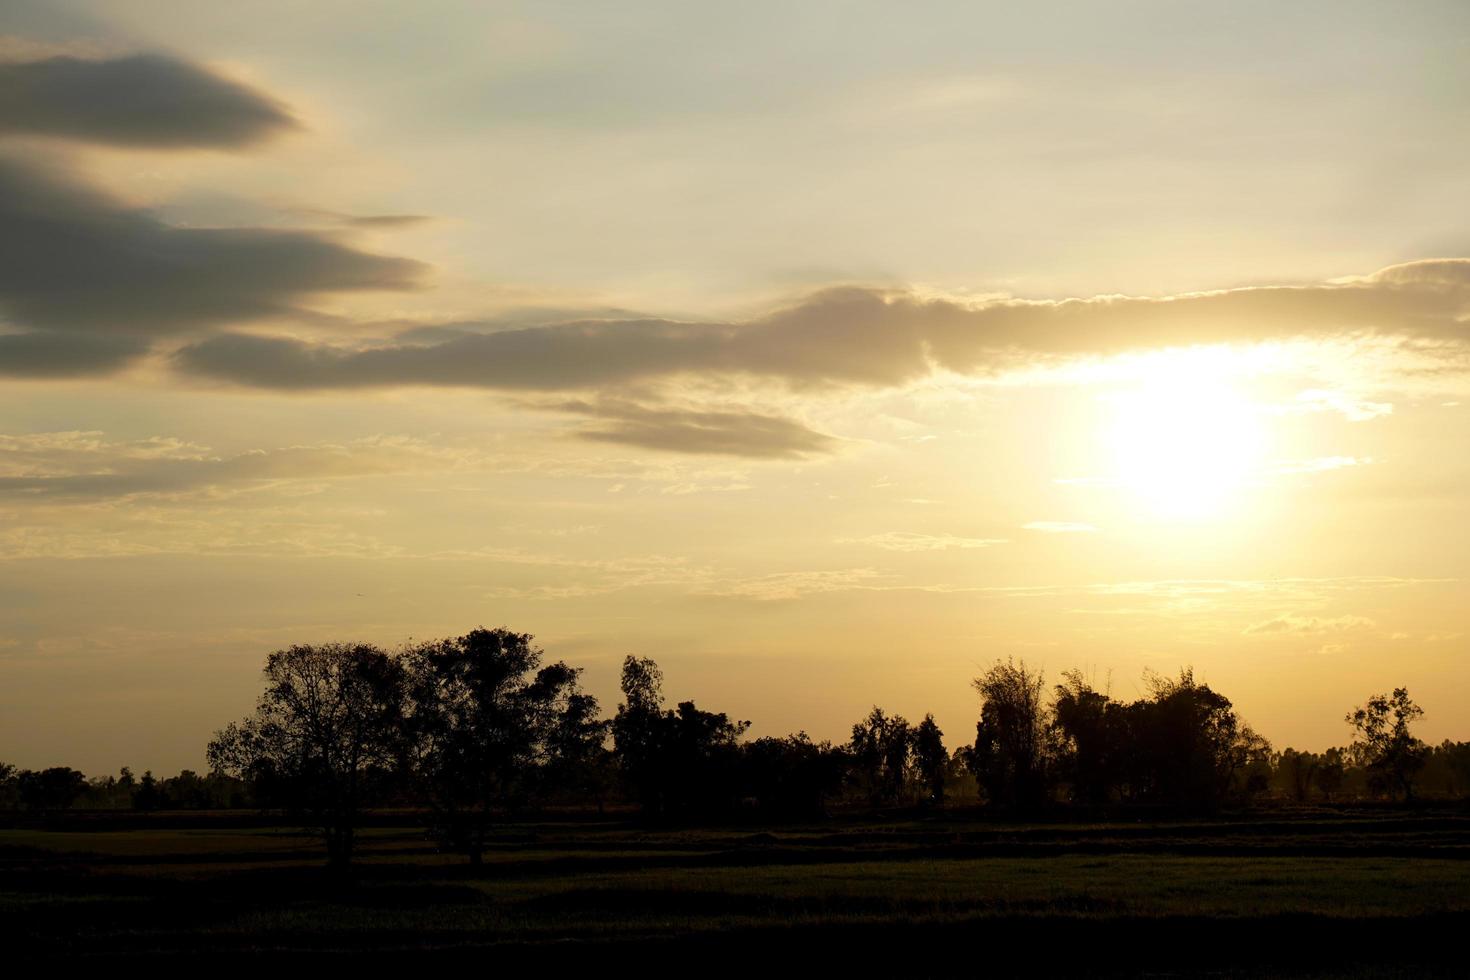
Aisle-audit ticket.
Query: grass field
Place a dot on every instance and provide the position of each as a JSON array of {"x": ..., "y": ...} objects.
[{"x": 1371, "y": 894}]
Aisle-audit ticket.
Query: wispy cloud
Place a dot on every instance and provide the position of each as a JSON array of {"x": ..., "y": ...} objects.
[
  {"x": 909, "y": 541},
  {"x": 1310, "y": 625}
]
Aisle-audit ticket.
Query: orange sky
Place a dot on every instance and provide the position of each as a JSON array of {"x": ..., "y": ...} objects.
[{"x": 823, "y": 352}]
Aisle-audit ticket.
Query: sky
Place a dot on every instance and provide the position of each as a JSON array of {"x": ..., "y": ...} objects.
[{"x": 823, "y": 352}]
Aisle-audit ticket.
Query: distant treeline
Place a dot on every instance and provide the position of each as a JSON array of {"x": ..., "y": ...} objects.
[{"x": 474, "y": 727}]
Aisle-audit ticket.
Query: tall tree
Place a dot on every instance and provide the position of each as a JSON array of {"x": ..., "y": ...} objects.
[
  {"x": 1383, "y": 742},
  {"x": 793, "y": 776},
  {"x": 1012, "y": 739},
  {"x": 685, "y": 760},
  {"x": 325, "y": 734},
  {"x": 880, "y": 749},
  {"x": 638, "y": 731},
  {"x": 1091, "y": 738},
  {"x": 930, "y": 758},
  {"x": 487, "y": 721},
  {"x": 1188, "y": 746}
]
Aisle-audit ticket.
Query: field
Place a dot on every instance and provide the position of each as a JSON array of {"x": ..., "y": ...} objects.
[{"x": 1329, "y": 892}]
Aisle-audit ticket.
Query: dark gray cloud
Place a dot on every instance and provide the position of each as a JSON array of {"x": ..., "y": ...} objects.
[
  {"x": 144, "y": 100},
  {"x": 747, "y": 434},
  {"x": 83, "y": 466},
  {"x": 43, "y": 354},
  {"x": 364, "y": 220},
  {"x": 73, "y": 261},
  {"x": 851, "y": 336},
  {"x": 387, "y": 220}
]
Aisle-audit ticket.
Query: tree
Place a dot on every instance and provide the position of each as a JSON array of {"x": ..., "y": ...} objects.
[
  {"x": 675, "y": 761},
  {"x": 1299, "y": 770},
  {"x": 1189, "y": 746},
  {"x": 637, "y": 731},
  {"x": 880, "y": 748},
  {"x": 55, "y": 788},
  {"x": 148, "y": 796},
  {"x": 1012, "y": 739},
  {"x": 1091, "y": 736},
  {"x": 325, "y": 735},
  {"x": 1384, "y": 744},
  {"x": 793, "y": 776},
  {"x": 1330, "y": 773},
  {"x": 486, "y": 721},
  {"x": 580, "y": 763},
  {"x": 930, "y": 758},
  {"x": 9, "y": 786}
]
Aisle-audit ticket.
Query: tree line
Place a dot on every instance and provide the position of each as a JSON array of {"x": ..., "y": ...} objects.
[{"x": 472, "y": 728}]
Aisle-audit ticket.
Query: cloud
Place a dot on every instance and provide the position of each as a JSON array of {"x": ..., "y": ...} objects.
[
  {"x": 141, "y": 100},
  {"x": 908, "y": 541},
  {"x": 1059, "y": 527},
  {"x": 1353, "y": 409},
  {"x": 854, "y": 336},
  {"x": 1310, "y": 625},
  {"x": 1323, "y": 464},
  {"x": 83, "y": 466},
  {"x": 88, "y": 278},
  {"x": 792, "y": 585},
  {"x": 42, "y": 354},
  {"x": 724, "y": 433},
  {"x": 365, "y": 220}
]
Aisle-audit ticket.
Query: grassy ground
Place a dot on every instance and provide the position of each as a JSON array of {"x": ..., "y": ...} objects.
[{"x": 1339, "y": 893}]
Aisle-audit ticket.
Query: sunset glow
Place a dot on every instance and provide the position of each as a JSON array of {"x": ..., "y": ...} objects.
[
  {"x": 821, "y": 352},
  {"x": 1186, "y": 443}
]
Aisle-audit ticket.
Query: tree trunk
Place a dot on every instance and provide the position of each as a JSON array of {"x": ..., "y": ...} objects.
[{"x": 339, "y": 848}]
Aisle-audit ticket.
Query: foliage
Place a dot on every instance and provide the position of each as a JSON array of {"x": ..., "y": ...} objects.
[
  {"x": 1187, "y": 745},
  {"x": 677, "y": 762},
  {"x": 931, "y": 761},
  {"x": 1383, "y": 743},
  {"x": 485, "y": 720},
  {"x": 793, "y": 776},
  {"x": 1091, "y": 732},
  {"x": 50, "y": 789},
  {"x": 1012, "y": 738},
  {"x": 325, "y": 735},
  {"x": 880, "y": 751}
]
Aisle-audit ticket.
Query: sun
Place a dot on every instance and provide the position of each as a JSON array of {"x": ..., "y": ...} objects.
[{"x": 1184, "y": 440}]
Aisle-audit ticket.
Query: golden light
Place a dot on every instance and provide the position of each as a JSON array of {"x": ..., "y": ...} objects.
[{"x": 1185, "y": 441}]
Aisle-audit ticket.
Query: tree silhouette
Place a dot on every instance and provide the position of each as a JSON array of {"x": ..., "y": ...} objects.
[
  {"x": 1299, "y": 770},
  {"x": 579, "y": 762},
  {"x": 930, "y": 758},
  {"x": 325, "y": 734},
  {"x": 793, "y": 776},
  {"x": 1188, "y": 745},
  {"x": 674, "y": 761},
  {"x": 55, "y": 788},
  {"x": 1012, "y": 739},
  {"x": 485, "y": 721},
  {"x": 880, "y": 749},
  {"x": 1383, "y": 742},
  {"x": 637, "y": 731},
  {"x": 1092, "y": 738}
]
